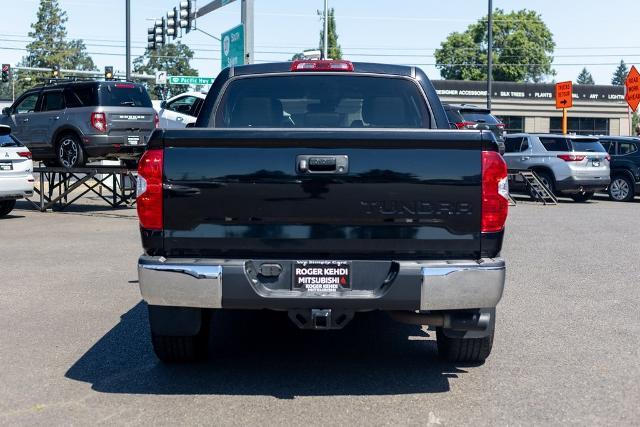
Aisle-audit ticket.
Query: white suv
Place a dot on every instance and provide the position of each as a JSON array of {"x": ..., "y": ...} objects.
[
  {"x": 16, "y": 171},
  {"x": 574, "y": 165}
]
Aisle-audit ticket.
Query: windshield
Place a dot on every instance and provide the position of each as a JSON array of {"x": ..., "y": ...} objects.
[
  {"x": 479, "y": 117},
  {"x": 124, "y": 95},
  {"x": 587, "y": 145},
  {"x": 9, "y": 141},
  {"x": 322, "y": 101}
]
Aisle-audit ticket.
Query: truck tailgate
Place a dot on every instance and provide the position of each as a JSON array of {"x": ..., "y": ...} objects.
[{"x": 244, "y": 193}]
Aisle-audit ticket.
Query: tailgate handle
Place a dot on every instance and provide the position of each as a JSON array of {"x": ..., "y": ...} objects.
[
  {"x": 323, "y": 164},
  {"x": 181, "y": 190}
]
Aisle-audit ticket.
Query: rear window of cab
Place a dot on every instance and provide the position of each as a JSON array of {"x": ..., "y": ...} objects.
[
  {"x": 572, "y": 144},
  {"x": 321, "y": 101}
]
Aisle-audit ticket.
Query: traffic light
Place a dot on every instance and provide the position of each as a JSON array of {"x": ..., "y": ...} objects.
[
  {"x": 151, "y": 38},
  {"x": 108, "y": 73},
  {"x": 159, "y": 32},
  {"x": 6, "y": 73},
  {"x": 172, "y": 23},
  {"x": 55, "y": 71},
  {"x": 186, "y": 13}
]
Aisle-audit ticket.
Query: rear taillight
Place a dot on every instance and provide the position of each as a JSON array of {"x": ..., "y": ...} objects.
[
  {"x": 25, "y": 154},
  {"x": 149, "y": 190},
  {"x": 500, "y": 126},
  {"x": 608, "y": 157},
  {"x": 99, "y": 121},
  {"x": 156, "y": 120},
  {"x": 571, "y": 157},
  {"x": 466, "y": 125},
  {"x": 315, "y": 65},
  {"x": 495, "y": 192}
]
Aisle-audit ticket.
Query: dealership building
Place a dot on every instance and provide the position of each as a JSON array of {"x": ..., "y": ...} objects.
[{"x": 530, "y": 107}]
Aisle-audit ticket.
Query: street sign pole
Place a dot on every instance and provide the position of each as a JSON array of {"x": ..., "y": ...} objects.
[
  {"x": 489, "y": 54},
  {"x": 128, "y": 40},
  {"x": 564, "y": 121},
  {"x": 325, "y": 41},
  {"x": 247, "y": 22}
]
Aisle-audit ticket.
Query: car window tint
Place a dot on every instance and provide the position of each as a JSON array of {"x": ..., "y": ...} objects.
[
  {"x": 81, "y": 96},
  {"x": 124, "y": 95},
  {"x": 525, "y": 144},
  {"x": 587, "y": 145},
  {"x": 183, "y": 105},
  {"x": 28, "y": 104},
  {"x": 52, "y": 101},
  {"x": 479, "y": 116},
  {"x": 554, "y": 143},
  {"x": 512, "y": 144},
  {"x": 9, "y": 141},
  {"x": 606, "y": 144},
  {"x": 626, "y": 148},
  {"x": 322, "y": 101},
  {"x": 453, "y": 116}
]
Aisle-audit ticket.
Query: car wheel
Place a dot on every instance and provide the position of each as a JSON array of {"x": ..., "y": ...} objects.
[
  {"x": 465, "y": 350},
  {"x": 69, "y": 152},
  {"x": 621, "y": 189},
  {"x": 582, "y": 197},
  {"x": 6, "y": 206},
  {"x": 181, "y": 348}
]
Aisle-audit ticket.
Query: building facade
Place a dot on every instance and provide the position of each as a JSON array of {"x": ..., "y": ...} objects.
[{"x": 530, "y": 107}]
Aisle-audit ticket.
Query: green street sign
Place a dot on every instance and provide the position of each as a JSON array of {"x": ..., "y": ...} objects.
[
  {"x": 190, "y": 80},
  {"x": 233, "y": 47}
]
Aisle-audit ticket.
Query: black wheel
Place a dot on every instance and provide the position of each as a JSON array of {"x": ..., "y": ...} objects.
[
  {"x": 6, "y": 206},
  {"x": 183, "y": 349},
  {"x": 582, "y": 197},
  {"x": 547, "y": 180},
  {"x": 463, "y": 350},
  {"x": 621, "y": 189},
  {"x": 69, "y": 152}
]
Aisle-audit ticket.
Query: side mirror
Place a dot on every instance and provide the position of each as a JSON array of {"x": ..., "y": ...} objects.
[
  {"x": 6, "y": 111},
  {"x": 4, "y": 130},
  {"x": 163, "y": 105}
]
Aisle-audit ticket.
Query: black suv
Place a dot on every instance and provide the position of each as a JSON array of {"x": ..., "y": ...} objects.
[
  {"x": 465, "y": 116},
  {"x": 625, "y": 166},
  {"x": 68, "y": 122}
]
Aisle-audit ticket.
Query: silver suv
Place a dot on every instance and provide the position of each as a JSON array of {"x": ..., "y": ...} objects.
[
  {"x": 573, "y": 165},
  {"x": 68, "y": 122}
]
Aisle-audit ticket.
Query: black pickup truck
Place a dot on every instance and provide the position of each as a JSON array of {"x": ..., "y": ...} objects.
[{"x": 322, "y": 189}]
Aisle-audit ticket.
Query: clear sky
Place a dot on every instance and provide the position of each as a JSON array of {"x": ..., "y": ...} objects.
[{"x": 592, "y": 33}]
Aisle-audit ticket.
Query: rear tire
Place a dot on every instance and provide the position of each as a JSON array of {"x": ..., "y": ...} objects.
[
  {"x": 582, "y": 197},
  {"x": 6, "y": 206},
  {"x": 463, "y": 350},
  {"x": 181, "y": 348},
  {"x": 69, "y": 151},
  {"x": 621, "y": 189}
]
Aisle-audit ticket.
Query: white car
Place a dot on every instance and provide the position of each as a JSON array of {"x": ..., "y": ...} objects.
[
  {"x": 16, "y": 171},
  {"x": 179, "y": 111}
]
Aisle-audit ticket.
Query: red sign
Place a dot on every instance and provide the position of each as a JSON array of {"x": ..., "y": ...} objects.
[
  {"x": 564, "y": 95},
  {"x": 633, "y": 88}
]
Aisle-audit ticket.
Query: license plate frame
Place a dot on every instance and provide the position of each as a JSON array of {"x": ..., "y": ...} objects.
[
  {"x": 324, "y": 276},
  {"x": 134, "y": 140},
  {"x": 6, "y": 166}
]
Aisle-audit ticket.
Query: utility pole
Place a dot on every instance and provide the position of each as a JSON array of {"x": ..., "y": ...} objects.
[
  {"x": 128, "y": 39},
  {"x": 325, "y": 42},
  {"x": 489, "y": 54},
  {"x": 246, "y": 15}
]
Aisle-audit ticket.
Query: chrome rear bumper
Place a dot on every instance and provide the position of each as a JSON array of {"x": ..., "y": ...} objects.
[{"x": 419, "y": 285}]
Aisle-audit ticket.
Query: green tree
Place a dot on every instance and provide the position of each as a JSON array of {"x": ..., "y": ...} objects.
[
  {"x": 620, "y": 75},
  {"x": 49, "y": 45},
  {"x": 297, "y": 56},
  {"x": 522, "y": 49},
  {"x": 585, "y": 78},
  {"x": 334, "y": 50},
  {"x": 173, "y": 58}
]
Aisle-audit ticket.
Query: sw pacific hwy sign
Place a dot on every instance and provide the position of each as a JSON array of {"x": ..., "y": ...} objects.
[{"x": 190, "y": 80}]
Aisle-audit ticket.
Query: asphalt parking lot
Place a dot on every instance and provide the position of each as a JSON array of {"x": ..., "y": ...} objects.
[{"x": 75, "y": 346}]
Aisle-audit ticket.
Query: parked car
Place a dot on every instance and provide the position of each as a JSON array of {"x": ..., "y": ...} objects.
[
  {"x": 322, "y": 189},
  {"x": 16, "y": 171},
  {"x": 465, "y": 116},
  {"x": 625, "y": 166},
  {"x": 68, "y": 122},
  {"x": 181, "y": 110},
  {"x": 572, "y": 165}
]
